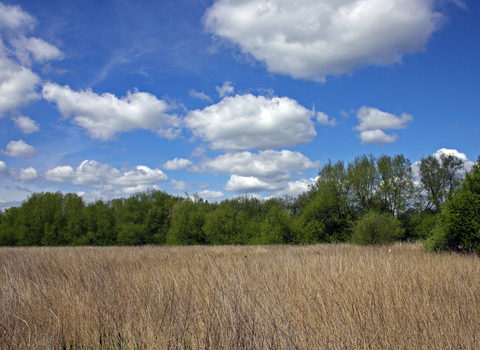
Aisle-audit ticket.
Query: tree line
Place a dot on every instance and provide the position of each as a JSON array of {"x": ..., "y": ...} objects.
[{"x": 367, "y": 201}]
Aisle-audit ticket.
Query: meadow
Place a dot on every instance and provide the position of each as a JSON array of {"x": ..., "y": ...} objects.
[{"x": 238, "y": 297}]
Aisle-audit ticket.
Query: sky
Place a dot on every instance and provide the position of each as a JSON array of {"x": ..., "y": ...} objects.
[{"x": 228, "y": 97}]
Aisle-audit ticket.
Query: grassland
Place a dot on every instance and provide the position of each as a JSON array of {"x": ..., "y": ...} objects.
[{"x": 261, "y": 297}]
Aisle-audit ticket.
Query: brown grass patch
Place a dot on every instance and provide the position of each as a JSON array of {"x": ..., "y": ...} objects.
[{"x": 273, "y": 297}]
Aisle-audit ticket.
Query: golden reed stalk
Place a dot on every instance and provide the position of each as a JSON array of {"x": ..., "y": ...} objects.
[{"x": 230, "y": 297}]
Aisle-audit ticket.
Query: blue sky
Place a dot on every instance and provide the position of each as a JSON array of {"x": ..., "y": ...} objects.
[{"x": 228, "y": 97}]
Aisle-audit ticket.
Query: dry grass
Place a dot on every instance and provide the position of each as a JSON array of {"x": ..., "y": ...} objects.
[{"x": 275, "y": 297}]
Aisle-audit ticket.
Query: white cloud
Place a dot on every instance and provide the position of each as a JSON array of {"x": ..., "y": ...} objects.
[
  {"x": 323, "y": 119},
  {"x": 453, "y": 152},
  {"x": 225, "y": 90},
  {"x": 373, "y": 119},
  {"x": 103, "y": 116},
  {"x": 294, "y": 188},
  {"x": 177, "y": 164},
  {"x": 314, "y": 38},
  {"x": 268, "y": 165},
  {"x": 13, "y": 17},
  {"x": 211, "y": 194},
  {"x": 29, "y": 174},
  {"x": 253, "y": 122},
  {"x": 20, "y": 149},
  {"x": 179, "y": 185},
  {"x": 373, "y": 122},
  {"x": 39, "y": 50},
  {"x": 3, "y": 169},
  {"x": 249, "y": 184},
  {"x": 200, "y": 95},
  {"x": 103, "y": 176},
  {"x": 26, "y": 124},
  {"x": 17, "y": 84},
  {"x": 468, "y": 164},
  {"x": 377, "y": 137}
]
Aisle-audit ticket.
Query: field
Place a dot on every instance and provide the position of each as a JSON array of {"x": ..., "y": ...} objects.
[{"x": 260, "y": 297}]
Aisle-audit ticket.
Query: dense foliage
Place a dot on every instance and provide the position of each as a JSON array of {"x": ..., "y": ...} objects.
[{"x": 368, "y": 201}]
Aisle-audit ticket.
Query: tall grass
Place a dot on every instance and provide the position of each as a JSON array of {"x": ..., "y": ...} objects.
[{"x": 272, "y": 297}]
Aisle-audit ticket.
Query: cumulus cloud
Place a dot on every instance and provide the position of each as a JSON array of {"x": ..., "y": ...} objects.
[
  {"x": 13, "y": 17},
  {"x": 211, "y": 194},
  {"x": 373, "y": 121},
  {"x": 312, "y": 39},
  {"x": 179, "y": 185},
  {"x": 295, "y": 188},
  {"x": 26, "y": 124},
  {"x": 17, "y": 81},
  {"x": 103, "y": 176},
  {"x": 17, "y": 84},
  {"x": 468, "y": 164},
  {"x": 20, "y": 149},
  {"x": 36, "y": 49},
  {"x": 268, "y": 165},
  {"x": 177, "y": 164},
  {"x": 3, "y": 169},
  {"x": 323, "y": 119},
  {"x": 453, "y": 152},
  {"x": 104, "y": 116},
  {"x": 248, "y": 184},
  {"x": 225, "y": 90},
  {"x": 29, "y": 174},
  {"x": 244, "y": 122}
]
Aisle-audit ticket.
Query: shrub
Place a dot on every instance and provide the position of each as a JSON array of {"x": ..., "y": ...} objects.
[{"x": 376, "y": 228}]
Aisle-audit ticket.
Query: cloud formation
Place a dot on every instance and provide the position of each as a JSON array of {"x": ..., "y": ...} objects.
[
  {"x": 225, "y": 90},
  {"x": 373, "y": 121},
  {"x": 243, "y": 122},
  {"x": 91, "y": 173},
  {"x": 249, "y": 184},
  {"x": 311, "y": 39},
  {"x": 20, "y": 149},
  {"x": 104, "y": 116},
  {"x": 212, "y": 195},
  {"x": 17, "y": 54},
  {"x": 26, "y": 124},
  {"x": 267, "y": 165},
  {"x": 177, "y": 164}
]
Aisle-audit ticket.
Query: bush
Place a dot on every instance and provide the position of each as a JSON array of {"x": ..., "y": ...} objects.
[{"x": 376, "y": 228}]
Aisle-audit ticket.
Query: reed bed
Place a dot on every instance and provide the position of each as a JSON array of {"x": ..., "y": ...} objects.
[{"x": 231, "y": 297}]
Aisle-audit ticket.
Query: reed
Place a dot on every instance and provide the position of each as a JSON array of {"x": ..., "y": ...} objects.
[{"x": 232, "y": 297}]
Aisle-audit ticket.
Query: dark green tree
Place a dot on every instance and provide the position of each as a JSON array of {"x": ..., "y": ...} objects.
[
  {"x": 327, "y": 215},
  {"x": 458, "y": 226},
  {"x": 188, "y": 219}
]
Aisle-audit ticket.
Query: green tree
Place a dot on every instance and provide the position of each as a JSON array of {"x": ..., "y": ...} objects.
[
  {"x": 9, "y": 227},
  {"x": 101, "y": 228},
  {"x": 277, "y": 227},
  {"x": 459, "y": 222},
  {"x": 396, "y": 189},
  {"x": 188, "y": 219},
  {"x": 222, "y": 226},
  {"x": 327, "y": 216},
  {"x": 440, "y": 177},
  {"x": 363, "y": 177}
]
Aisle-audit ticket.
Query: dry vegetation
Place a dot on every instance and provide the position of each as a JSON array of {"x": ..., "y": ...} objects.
[{"x": 274, "y": 297}]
